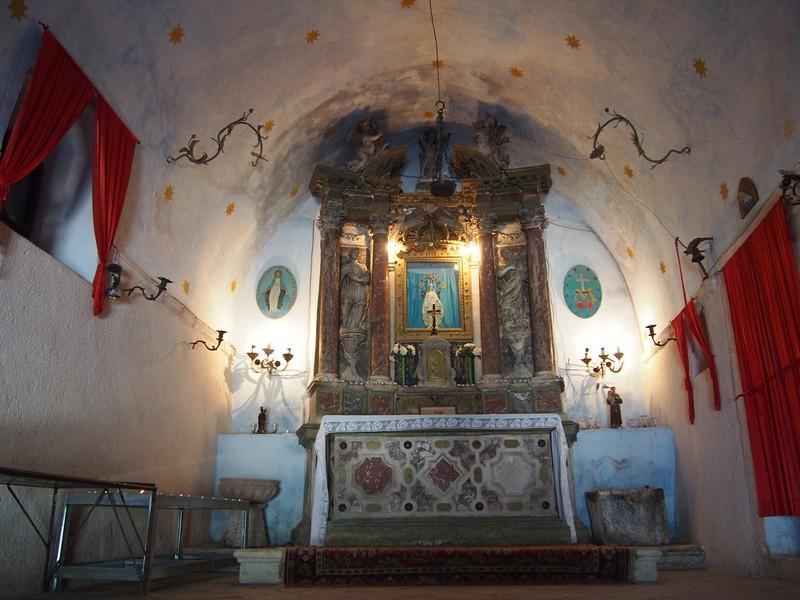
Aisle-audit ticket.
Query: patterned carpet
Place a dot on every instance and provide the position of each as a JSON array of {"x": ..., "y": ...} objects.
[{"x": 308, "y": 565}]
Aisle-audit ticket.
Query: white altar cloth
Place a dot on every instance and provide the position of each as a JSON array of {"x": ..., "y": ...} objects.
[{"x": 397, "y": 423}]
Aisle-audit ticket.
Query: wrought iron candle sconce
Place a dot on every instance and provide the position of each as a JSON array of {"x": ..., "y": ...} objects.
[
  {"x": 114, "y": 276},
  {"x": 162, "y": 287},
  {"x": 266, "y": 364},
  {"x": 790, "y": 187},
  {"x": 651, "y": 332},
  {"x": 599, "y": 151},
  {"x": 612, "y": 363},
  {"x": 220, "y": 334}
]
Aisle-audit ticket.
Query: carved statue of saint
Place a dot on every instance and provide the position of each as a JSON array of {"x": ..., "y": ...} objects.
[
  {"x": 428, "y": 151},
  {"x": 263, "y": 417},
  {"x": 366, "y": 134},
  {"x": 354, "y": 291},
  {"x": 489, "y": 136},
  {"x": 614, "y": 401},
  {"x": 511, "y": 280}
]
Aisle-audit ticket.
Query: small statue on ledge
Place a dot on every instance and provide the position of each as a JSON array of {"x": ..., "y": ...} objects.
[
  {"x": 614, "y": 401},
  {"x": 263, "y": 417}
]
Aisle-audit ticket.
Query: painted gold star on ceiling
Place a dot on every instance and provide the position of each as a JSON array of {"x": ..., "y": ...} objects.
[
  {"x": 312, "y": 36},
  {"x": 788, "y": 128},
  {"x": 700, "y": 67},
  {"x": 516, "y": 72},
  {"x": 428, "y": 114},
  {"x": 169, "y": 193},
  {"x": 186, "y": 286},
  {"x": 407, "y": 3},
  {"x": 561, "y": 170},
  {"x": 233, "y": 286},
  {"x": 663, "y": 266},
  {"x": 437, "y": 64},
  {"x": 176, "y": 35},
  {"x": 230, "y": 208},
  {"x": 294, "y": 192},
  {"x": 18, "y": 9},
  {"x": 629, "y": 250},
  {"x": 724, "y": 191},
  {"x": 268, "y": 125},
  {"x": 628, "y": 171},
  {"x": 573, "y": 42}
]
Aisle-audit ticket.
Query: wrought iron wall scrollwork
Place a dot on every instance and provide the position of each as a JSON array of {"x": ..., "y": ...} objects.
[
  {"x": 188, "y": 151},
  {"x": 599, "y": 151}
]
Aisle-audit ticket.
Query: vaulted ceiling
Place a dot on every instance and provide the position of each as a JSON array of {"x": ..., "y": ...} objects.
[{"x": 719, "y": 76}]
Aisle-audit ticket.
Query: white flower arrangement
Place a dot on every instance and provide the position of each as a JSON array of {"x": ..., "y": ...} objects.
[
  {"x": 469, "y": 349},
  {"x": 402, "y": 350}
]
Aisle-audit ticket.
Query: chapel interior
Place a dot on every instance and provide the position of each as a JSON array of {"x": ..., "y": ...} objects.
[{"x": 493, "y": 292}]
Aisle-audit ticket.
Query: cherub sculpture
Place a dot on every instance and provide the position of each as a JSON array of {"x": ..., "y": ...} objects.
[{"x": 366, "y": 134}]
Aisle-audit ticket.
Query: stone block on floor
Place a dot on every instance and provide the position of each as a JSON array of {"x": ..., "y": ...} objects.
[
  {"x": 643, "y": 565},
  {"x": 260, "y": 565},
  {"x": 634, "y": 516}
]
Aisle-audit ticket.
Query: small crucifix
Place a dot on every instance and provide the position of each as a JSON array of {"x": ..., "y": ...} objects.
[{"x": 433, "y": 312}]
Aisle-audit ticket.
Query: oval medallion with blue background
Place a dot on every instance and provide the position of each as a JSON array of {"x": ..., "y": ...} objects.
[
  {"x": 582, "y": 291},
  {"x": 276, "y": 291}
]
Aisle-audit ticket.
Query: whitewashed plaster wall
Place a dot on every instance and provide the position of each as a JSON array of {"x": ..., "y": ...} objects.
[
  {"x": 294, "y": 245},
  {"x": 116, "y": 397},
  {"x": 717, "y": 503},
  {"x": 570, "y": 242}
]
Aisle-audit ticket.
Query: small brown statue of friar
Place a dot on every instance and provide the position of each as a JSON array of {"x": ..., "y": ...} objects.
[
  {"x": 263, "y": 416},
  {"x": 614, "y": 401}
]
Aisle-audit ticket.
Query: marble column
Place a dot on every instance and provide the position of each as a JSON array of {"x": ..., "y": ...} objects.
[
  {"x": 534, "y": 223},
  {"x": 490, "y": 321},
  {"x": 380, "y": 319},
  {"x": 329, "y": 223}
]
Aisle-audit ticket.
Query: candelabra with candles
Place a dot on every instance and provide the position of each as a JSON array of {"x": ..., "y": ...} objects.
[
  {"x": 612, "y": 363},
  {"x": 266, "y": 364}
]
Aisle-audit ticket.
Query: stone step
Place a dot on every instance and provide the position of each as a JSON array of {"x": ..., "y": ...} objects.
[{"x": 678, "y": 557}]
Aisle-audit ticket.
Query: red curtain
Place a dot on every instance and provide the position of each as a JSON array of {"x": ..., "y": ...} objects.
[
  {"x": 56, "y": 96},
  {"x": 687, "y": 323},
  {"x": 763, "y": 291},
  {"x": 113, "y": 156}
]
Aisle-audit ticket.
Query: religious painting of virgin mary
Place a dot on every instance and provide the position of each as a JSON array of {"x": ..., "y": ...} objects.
[
  {"x": 433, "y": 285},
  {"x": 429, "y": 286},
  {"x": 276, "y": 291}
]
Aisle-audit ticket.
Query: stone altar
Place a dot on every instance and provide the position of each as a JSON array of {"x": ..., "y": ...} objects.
[
  {"x": 500, "y": 213},
  {"x": 458, "y": 480}
]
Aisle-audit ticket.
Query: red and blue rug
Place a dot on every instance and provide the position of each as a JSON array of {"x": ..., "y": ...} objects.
[{"x": 309, "y": 565}]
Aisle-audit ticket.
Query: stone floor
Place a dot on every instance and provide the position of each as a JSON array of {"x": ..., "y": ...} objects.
[{"x": 673, "y": 585}]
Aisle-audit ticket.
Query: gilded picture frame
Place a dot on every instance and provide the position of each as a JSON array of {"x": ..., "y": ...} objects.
[{"x": 411, "y": 278}]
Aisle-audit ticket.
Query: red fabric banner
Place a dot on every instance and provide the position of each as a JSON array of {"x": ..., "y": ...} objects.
[
  {"x": 114, "y": 146},
  {"x": 763, "y": 289},
  {"x": 683, "y": 352},
  {"x": 56, "y": 96}
]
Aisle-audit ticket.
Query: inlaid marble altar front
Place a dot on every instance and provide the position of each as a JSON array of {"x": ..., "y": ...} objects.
[
  {"x": 436, "y": 473},
  {"x": 395, "y": 472}
]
